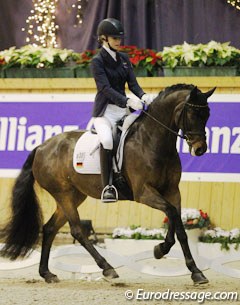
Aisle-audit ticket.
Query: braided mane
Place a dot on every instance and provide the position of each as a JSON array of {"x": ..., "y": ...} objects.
[{"x": 173, "y": 88}]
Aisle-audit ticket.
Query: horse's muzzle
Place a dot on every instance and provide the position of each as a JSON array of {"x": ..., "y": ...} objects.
[{"x": 198, "y": 149}]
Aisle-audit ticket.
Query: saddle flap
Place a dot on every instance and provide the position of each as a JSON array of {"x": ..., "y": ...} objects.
[{"x": 86, "y": 158}]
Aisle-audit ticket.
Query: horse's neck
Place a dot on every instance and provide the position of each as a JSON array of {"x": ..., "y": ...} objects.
[
  {"x": 163, "y": 112},
  {"x": 154, "y": 132}
]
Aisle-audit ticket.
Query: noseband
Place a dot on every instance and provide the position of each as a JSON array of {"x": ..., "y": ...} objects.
[{"x": 183, "y": 115}]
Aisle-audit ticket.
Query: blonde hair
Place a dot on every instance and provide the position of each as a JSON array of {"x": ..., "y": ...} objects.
[{"x": 101, "y": 39}]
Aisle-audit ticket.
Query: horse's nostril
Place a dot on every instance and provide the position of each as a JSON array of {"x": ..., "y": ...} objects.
[{"x": 200, "y": 151}]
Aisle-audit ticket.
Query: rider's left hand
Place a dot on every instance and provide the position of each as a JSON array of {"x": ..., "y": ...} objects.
[{"x": 147, "y": 99}]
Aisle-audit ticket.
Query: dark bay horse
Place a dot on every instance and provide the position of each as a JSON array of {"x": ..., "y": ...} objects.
[{"x": 151, "y": 167}]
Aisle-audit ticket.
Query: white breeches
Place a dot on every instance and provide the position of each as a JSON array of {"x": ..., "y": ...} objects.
[{"x": 105, "y": 125}]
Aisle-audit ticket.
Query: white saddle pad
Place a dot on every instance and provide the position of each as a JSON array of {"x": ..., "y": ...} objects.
[{"x": 86, "y": 156}]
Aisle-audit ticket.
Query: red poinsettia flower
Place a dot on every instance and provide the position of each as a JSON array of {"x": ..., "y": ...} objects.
[
  {"x": 2, "y": 61},
  {"x": 165, "y": 220},
  {"x": 203, "y": 215},
  {"x": 86, "y": 57},
  {"x": 145, "y": 58},
  {"x": 191, "y": 221}
]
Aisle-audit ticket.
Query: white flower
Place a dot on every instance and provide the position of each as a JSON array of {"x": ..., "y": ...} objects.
[
  {"x": 222, "y": 233},
  {"x": 48, "y": 55},
  {"x": 128, "y": 232},
  {"x": 118, "y": 232},
  {"x": 160, "y": 231},
  {"x": 189, "y": 214},
  {"x": 218, "y": 229},
  {"x": 235, "y": 233},
  {"x": 188, "y": 53},
  {"x": 211, "y": 233},
  {"x": 64, "y": 54},
  {"x": 139, "y": 230}
]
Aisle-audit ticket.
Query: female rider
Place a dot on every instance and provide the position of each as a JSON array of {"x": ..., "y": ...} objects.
[{"x": 112, "y": 70}]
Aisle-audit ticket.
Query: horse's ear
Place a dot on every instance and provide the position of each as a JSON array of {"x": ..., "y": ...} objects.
[
  {"x": 193, "y": 93},
  {"x": 210, "y": 92}
]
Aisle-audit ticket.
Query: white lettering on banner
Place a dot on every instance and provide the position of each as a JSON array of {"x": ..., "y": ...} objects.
[
  {"x": 235, "y": 148},
  {"x": 220, "y": 135},
  {"x": 35, "y": 137},
  {"x": 3, "y": 133},
  {"x": 22, "y": 133},
  {"x": 224, "y": 136},
  {"x": 15, "y": 135},
  {"x": 12, "y": 133}
]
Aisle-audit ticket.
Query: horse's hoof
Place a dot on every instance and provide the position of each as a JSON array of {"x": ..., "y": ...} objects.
[
  {"x": 110, "y": 274},
  {"x": 158, "y": 252},
  {"x": 198, "y": 278},
  {"x": 52, "y": 278}
]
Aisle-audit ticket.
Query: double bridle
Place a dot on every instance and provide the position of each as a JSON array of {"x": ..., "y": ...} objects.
[{"x": 183, "y": 115}]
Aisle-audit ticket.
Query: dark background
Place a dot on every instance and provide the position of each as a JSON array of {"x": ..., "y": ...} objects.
[{"x": 148, "y": 23}]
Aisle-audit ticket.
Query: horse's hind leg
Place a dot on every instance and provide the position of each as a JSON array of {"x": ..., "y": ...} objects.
[
  {"x": 50, "y": 230},
  {"x": 71, "y": 213}
]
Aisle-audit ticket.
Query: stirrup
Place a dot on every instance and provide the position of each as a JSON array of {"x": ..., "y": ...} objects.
[{"x": 106, "y": 188}]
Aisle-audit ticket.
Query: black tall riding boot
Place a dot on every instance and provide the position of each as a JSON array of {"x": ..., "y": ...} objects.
[{"x": 109, "y": 193}]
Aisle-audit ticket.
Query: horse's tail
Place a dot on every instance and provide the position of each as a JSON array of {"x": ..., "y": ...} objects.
[{"x": 22, "y": 232}]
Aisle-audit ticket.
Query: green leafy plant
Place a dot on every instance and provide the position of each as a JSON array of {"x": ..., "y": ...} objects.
[
  {"x": 192, "y": 219},
  {"x": 225, "y": 238},
  {"x": 145, "y": 58},
  {"x": 201, "y": 55},
  {"x": 30, "y": 56}
]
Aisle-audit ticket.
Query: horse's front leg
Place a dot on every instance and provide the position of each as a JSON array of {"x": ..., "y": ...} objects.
[
  {"x": 151, "y": 197},
  {"x": 163, "y": 248},
  {"x": 197, "y": 275}
]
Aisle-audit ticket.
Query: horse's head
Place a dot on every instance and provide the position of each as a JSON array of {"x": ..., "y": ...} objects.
[{"x": 192, "y": 120}]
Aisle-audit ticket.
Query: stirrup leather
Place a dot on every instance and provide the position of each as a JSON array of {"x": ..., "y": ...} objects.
[{"x": 107, "y": 187}]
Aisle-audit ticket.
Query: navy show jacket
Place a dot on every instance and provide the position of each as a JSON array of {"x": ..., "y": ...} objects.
[{"x": 111, "y": 77}]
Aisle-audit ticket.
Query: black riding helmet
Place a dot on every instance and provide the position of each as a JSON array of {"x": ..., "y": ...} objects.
[{"x": 110, "y": 27}]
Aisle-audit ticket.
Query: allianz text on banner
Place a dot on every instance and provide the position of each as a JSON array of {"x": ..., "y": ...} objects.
[{"x": 26, "y": 123}]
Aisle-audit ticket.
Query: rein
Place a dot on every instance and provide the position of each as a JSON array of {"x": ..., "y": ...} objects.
[
  {"x": 165, "y": 126},
  {"x": 183, "y": 113}
]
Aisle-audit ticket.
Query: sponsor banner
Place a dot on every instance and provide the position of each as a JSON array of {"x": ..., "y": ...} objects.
[
  {"x": 223, "y": 137},
  {"x": 28, "y": 120}
]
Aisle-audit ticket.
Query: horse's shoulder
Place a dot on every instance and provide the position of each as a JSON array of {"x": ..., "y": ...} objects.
[
  {"x": 72, "y": 136},
  {"x": 74, "y": 133},
  {"x": 65, "y": 138}
]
